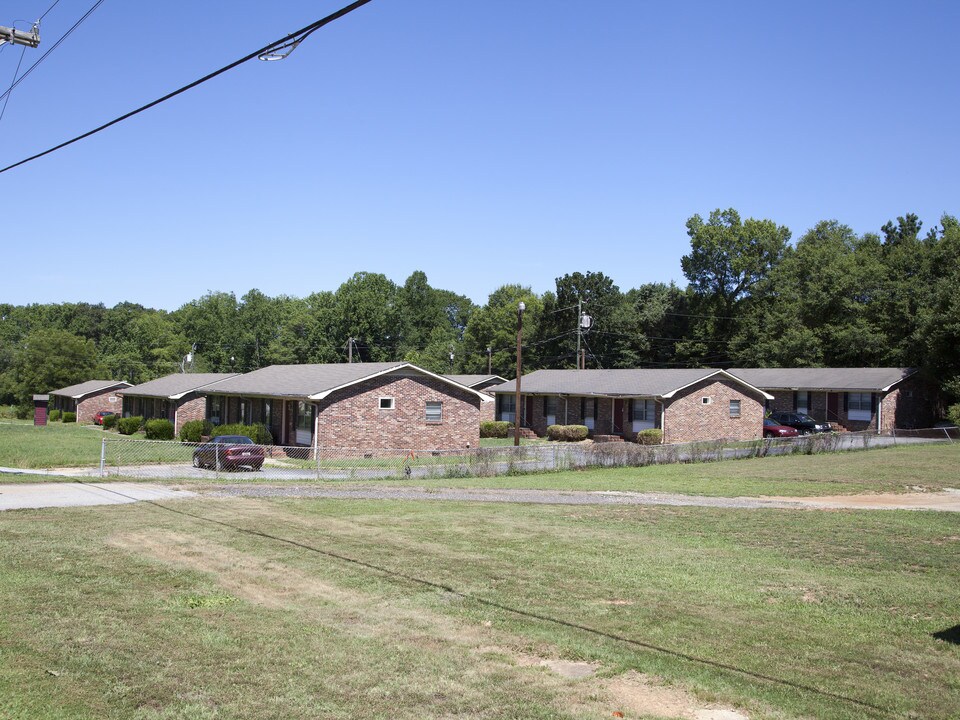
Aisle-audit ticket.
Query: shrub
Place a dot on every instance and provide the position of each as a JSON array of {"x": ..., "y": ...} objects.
[
  {"x": 54, "y": 416},
  {"x": 495, "y": 428},
  {"x": 650, "y": 437},
  {"x": 110, "y": 421},
  {"x": 257, "y": 432},
  {"x": 193, "y": 430},
  {"x": 69, "y": 417},
  {"x": 129, "y": 425},
  {"x": 8, "y": 412},
  {"x": 953, "y": 414},
  {"x": 568, "y": 433},
  {"x": 24, "y": 411},
  {"x": 159, "y": 429}
]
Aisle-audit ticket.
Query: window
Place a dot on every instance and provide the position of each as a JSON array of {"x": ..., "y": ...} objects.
[
  {"x": 508, "y": 407},
  {"x": 304, "y": 423},
  {"x": 386, "y": 403},
  {"x": 644, "y": 415},
  {"x": 734, "y": 408},
  {"x": 550, "y": 410},
  {"x": 588, "y": 410},
  {"x": 706, "y": 400},
  {"x": 859, "y": 406},
  {"x": 803, "y": 402},
  {"x": 434, "y": 411}
]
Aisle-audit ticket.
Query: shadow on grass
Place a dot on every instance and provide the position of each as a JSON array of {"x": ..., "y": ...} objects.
[{"x": 950, "y": 635}]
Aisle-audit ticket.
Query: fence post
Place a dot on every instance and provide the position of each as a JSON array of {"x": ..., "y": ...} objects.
[
  {"x": 103, "y": 455},
  {"x": 316, "y": 457}
]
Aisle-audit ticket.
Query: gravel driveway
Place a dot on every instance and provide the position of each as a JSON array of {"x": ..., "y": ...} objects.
[{"x": 948, "y": 500}]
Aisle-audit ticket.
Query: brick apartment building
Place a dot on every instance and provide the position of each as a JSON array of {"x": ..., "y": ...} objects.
[{"x": 88, "y": 398}]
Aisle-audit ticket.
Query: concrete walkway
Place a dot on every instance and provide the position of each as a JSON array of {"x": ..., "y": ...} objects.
[{"x": 44, "y": 495}]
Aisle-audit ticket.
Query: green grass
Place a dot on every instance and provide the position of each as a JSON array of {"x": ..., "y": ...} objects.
[
  {"x": 55, "y": 445},
  {"x": 137, "y": 612}
]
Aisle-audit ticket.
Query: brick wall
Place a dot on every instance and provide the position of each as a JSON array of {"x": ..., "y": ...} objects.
[
  {"x": 92, "y": 404},
  {"x": 190, "y": 407},
  {"x": 687, "y": 419},
  {"x": 352, "y": 418}
]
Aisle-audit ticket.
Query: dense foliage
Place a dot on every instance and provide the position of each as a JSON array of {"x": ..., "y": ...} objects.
[
  {"x": 158, "y": 429},
  {"x": 754, "y": 298}
]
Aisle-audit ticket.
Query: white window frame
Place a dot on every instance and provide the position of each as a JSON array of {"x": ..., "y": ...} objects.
[
  {"x": 644, "y": 414},
  {"x": 735, "y": 404},
  {"x": 803, "y": 402},
  {"x": 386, "y": 403},
  {"x": 855, "y": 406},
  {"x": 438, "y": 411}
]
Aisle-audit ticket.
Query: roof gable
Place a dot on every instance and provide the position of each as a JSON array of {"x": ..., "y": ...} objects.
[{"x": 90, "y": 387}]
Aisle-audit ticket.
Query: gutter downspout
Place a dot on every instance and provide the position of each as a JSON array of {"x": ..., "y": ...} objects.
[
  {"x": 879, "y": 412},
  {"x": 663, "y": 421}
]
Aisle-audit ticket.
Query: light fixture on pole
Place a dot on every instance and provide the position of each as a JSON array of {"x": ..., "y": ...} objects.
[{"x": 516, "y": 414}]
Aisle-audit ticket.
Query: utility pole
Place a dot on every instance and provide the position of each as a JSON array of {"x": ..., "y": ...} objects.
[
  {"x": 516, "y": 414},
  {"x": 350, "y": 350},
  {"x": 584, "y": 322},
  {"x": 489, "y": 361},
  {"x": 19, "y": 37}
]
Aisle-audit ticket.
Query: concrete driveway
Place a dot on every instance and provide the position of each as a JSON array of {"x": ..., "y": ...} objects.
[{"x": 43, "y": 495}]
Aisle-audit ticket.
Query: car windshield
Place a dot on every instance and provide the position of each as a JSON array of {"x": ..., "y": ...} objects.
[
  {"x": 234, "y": 440},
  {"x": 770, "y": 421},
  {"x": 805, "y": 418}
]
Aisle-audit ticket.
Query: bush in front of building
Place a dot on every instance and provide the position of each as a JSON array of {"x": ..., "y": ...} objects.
[
  {"x": 495, "y": 428},
  {"x": 69, "y": 417},
  {"x": 158, "y": 429},
  {"x": 129, "y": 425},
  {"x": 953, "y": 414},
  {"x": 650, "y": 437},
  {"x": 194, "y": 430},
  {"x": 54, "y": 416},
  {"x": 110, "y": 421},
  {"x": 567, "y": 433},
  {"x": 257, "y": 432}
]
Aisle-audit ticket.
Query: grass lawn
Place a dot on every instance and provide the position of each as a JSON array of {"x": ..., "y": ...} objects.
[{"x": 140, "y": 612}]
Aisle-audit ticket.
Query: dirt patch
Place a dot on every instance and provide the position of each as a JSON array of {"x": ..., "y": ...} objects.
[
  {"x": 637, "y": 694},
  {"x": 948, "y": 500}
]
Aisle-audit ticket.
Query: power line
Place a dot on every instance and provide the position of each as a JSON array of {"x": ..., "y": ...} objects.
[
  {"x": 48, "y": 10},
  {"x": 6, "y": 98},
  {"x": 54, "y": 46},
  {"x": 305, "y": 32}
]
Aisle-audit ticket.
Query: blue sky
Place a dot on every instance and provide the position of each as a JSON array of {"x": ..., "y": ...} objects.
[{"x": 493, "y": 142}]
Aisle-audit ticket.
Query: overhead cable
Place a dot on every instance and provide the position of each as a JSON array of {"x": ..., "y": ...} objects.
[{"x": 256, "y": 53}]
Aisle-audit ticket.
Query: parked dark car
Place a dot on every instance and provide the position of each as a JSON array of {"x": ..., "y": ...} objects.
[
  {"x": 773, "y": 429},
  {"x": 804, "y": 424},
  {"x": 98, "y": 418},
  {"x": 229, "y": 452}
]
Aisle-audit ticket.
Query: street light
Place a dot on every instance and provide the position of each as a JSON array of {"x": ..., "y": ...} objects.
[{"x": 516, "y": 410}]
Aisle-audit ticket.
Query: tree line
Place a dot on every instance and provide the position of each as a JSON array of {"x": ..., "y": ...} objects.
[{"x": 753, "y": 299}]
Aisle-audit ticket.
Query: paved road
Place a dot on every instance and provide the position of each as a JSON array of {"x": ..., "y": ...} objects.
[{"x": 42, "y": 495}]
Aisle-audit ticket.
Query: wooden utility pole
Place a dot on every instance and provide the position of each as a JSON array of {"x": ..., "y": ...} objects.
[
  {"x": 350, "y": 350},
  {"x": 516, "y": 414}
]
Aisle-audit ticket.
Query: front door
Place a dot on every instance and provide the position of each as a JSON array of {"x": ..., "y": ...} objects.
[
  {"x": 833, "y": 407},
  {"x": 618, "y": 417},
  {"x": 527, "y": 412}
]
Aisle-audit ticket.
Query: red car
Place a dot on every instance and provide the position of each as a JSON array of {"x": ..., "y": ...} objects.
[
  {"x": 229, "y": 452},
  {"x": 98, "y": 418},
  {"x": 771, "y": 429}
]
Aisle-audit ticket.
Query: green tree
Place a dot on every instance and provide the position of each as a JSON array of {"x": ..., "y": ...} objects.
[
  {"x": 366, "y": 310},
  {"x": 495, "y": 326},
  {"x": 729, "y": 258},
  {"x": 50, "y": 359}
]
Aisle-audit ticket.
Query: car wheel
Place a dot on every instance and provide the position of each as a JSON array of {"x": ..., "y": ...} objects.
[
  {"x": 196, "y": 462},
  {"x": 768, "y": 435},
  {"x": 256, "y": 468}
]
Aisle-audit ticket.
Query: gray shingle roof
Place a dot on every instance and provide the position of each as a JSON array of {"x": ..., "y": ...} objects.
[
  {"x": 309, "y": 381},
  {"x": 862, "y": 379},
  {"x": 89, "y": 387},
  {"x": 642, "y": 382},
  {"x": 176, "y": 385},
  {"x": 473, "y": 380}
]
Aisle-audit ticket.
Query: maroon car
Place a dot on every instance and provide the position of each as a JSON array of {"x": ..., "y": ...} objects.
[
  {"x": 229, "y": 452},
  {"x": 771, "y": 429},
  {"x": 98, "y": 418}
]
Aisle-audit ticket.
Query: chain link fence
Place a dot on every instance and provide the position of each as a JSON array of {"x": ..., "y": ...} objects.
[
  {"x": 117, "y": 456},
  {"x": 128, "y": 458}
]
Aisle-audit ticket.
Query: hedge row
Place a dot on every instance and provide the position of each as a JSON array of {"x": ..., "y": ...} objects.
[
  {"x": 193, "y": 430},
  {"x": 129, "y": 425},
  {"x": 159, "y": 429},
  {"x": 567, "y": 433},
  {"x": 650, "y": 437},
  {"x": 257, "y": 432},
  {"x": 495, "y": 428}
]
